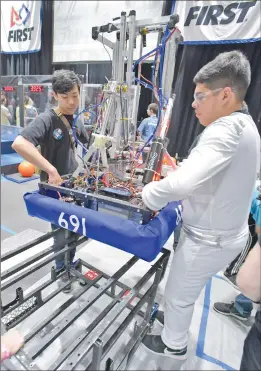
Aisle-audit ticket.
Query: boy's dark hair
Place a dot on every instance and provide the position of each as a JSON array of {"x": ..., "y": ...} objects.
[
  {"x": 154, "y": 108},
  {"x": 230, "y": 69},
  {"x": 64, "y": 80}
]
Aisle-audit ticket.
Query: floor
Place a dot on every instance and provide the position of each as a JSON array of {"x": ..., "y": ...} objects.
[
  {"x": 14, "y": 219},
  {"x": 216, "y": 342}
]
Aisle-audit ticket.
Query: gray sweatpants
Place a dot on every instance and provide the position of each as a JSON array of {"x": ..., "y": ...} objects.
[{"x": 193, "y": 265}]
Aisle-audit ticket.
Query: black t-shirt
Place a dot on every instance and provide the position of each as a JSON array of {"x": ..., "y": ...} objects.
[{"x": 48, "y": 131}]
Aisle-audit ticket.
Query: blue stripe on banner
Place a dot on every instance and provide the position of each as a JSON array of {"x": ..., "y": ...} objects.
[
  {"x": 10, "y": 231},
  {"x": 203, "y": 328},
  {"x": 209, "y": 42},
  {"x": 27, "y": 52}
]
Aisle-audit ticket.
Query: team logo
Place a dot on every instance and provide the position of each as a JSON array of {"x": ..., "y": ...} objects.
[
  {"x": 58, "y": 134},
  {"x": 20, "y": 19},
  {"x": 219, "y": 14},
  {"x": 20, "y": 16}
]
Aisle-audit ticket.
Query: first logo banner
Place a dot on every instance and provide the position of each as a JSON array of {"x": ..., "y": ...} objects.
[
  {"x": 213, "y": 22},
  {"x": 21, "y": 25}
]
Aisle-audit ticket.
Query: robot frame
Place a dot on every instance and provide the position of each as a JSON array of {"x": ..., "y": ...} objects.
[
  {"x": 108, "y": 176},
  {"x": 109, "y": 171}
]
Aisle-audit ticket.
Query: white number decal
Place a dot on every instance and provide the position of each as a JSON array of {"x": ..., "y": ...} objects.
[
  {"x": 83, "y": 227},
  {"x": 62, "y": 222},
  {"x": 178, "y": 212},
  {"x": 74, "y": 221}
]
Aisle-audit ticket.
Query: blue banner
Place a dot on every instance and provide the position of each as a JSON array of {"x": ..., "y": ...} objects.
[{"x": 144, "y": 241}]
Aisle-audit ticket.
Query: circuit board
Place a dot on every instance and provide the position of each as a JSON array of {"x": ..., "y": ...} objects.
[{"x": 104, "y": 193}]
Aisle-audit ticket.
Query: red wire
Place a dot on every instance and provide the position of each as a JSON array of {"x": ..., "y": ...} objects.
[
  {"x": 151, "y": 55},
  {"x": 170, "y": 34},
  {"x": 150, "y": 82}
]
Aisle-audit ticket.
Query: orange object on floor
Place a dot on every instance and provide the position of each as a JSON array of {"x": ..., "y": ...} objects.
[{"x": 26, "y": 169}]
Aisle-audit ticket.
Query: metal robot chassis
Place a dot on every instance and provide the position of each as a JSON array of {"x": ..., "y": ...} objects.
[{"x": 91, "y": 340}]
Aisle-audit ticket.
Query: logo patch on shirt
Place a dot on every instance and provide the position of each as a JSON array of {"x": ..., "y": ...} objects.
[{"x": 58, "y": 134}]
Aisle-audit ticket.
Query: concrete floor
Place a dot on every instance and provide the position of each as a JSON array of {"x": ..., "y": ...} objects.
[
  {"x": 215, "y": 341},
  {"x": 14, "y": 218}
]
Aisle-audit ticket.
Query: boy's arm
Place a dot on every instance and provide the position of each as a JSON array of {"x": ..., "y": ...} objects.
[
  {"x": 25, "y": 144},
  {"x": 141, "y": 127}
]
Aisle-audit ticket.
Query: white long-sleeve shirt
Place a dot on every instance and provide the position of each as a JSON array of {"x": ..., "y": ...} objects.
[{"x": 217, "y": 180}]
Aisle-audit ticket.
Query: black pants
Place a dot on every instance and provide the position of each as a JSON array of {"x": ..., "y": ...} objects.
[
  {"x": 239, "y": 260},
  {"x": 60, "y": 237},
  {"x": 251, "y": 359}
]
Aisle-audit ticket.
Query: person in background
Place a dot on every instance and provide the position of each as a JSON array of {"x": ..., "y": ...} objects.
[
  {"x": 148, "y": 125},
  {"x": 52, "y": 131},
  {"x": 30, "y": 112},
  {"x": 6, "y": 116},
  {"x": 231, "y": 271},
  {"x": 11, "y": 108},
  {"x": 216, "y": 197},
  {"x": 11, "y": 342},
  {"x": 242, "y": 307}
]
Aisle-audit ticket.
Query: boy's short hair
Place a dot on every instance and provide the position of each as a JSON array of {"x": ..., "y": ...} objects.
[
  {"x": 154, "y": 108},
  {"x": 229, "y": 69},
  {"x": 64, "y": 80}
]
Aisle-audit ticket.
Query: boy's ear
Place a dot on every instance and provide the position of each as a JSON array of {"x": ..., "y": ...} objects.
[{"x": 55, "y": 96}]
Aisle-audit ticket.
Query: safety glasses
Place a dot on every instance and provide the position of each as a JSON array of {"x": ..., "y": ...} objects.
[{"x": 199, "y": 97}]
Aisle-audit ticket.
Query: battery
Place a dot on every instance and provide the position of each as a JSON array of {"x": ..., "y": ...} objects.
[
  {"x": 155, "y": 157},
  {"x": 116, "y": 192}
]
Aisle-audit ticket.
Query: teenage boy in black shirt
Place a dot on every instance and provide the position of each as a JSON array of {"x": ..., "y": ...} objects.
[{"x": 48, "y": 130}]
